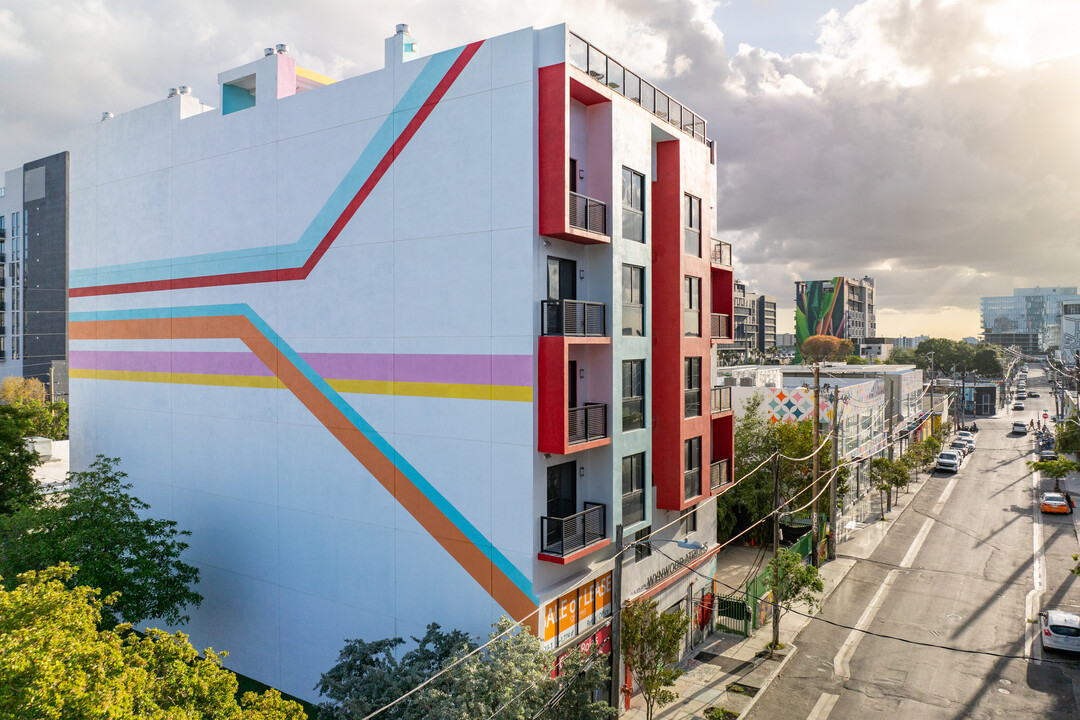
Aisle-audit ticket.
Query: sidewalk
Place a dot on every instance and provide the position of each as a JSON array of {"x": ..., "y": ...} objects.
[{"x": 731, "y": 661}]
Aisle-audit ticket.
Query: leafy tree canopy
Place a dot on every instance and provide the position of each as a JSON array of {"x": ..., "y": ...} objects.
[
  {"x": 55, "y": 663},
  {"x": 15, "y": 389},
  {"x": 17, "y": 483},
  {"x": 512, "y": 676},
  {"x": 98, "y": 527},
  {"x": 651, "y": 642}
]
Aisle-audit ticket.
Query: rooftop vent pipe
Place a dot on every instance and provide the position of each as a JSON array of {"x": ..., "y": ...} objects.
[
  {"x": 282, "y": 49},
  {"x": 403, "y": 29},
  {"x": 106, "y": 116},
  {"x": 267, "y": 52},
  {"x": 185, "y": 89},
  {"x": 173, "y": 92}
]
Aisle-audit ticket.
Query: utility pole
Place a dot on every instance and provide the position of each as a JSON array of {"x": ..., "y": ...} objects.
[
  {"x": 814, "y": 539},
  {"x": 891, "y": 386},
  {"x": 835, "y": 473},
  {"x": 931, "y": 356},
  {"x": 616, "y": 621},
  {"x": 776, "y": 548}
]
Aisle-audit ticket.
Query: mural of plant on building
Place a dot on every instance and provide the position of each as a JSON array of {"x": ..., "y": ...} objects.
[{"x": 820, "y": 309}]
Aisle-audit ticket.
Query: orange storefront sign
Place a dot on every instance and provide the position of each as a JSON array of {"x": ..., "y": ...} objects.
[{"x": 576, "y": 611}]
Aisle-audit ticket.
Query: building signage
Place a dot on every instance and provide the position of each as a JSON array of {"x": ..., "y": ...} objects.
[
  {"x": 576, "y": 611},
  {"x": 674, "y": 566}
]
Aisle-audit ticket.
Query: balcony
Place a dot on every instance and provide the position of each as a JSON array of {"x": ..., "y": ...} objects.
[
  {"x": 720, "y": 326},
  {"x": 721, "y": 400},
  {"x": 563, "y": 540},
  {"x": 573, "y": 318},
  {"x": 691, "y": 483},
  {"x": 721, "y": 253},
  {"x": 633, "y": 507},
  {"x": 588, "y": 214},
  {"x": 718, "y": 475},
  {"x": 587, "y": 423},
  {"x": 618, "y": 79}
]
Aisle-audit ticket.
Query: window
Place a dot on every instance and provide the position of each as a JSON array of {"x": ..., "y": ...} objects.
[
  {"x": 633, "y": 404},
  {"x": 692, "y": 468},
  {"x": 633, "y": 296},
  {"x": 643, "y": 549},
  {"x": 692, "y": 386},
  {"x": 633, "y": 205},
  {"x": 633, "y": 488},
  {"x": 692, "y": 306},
  {"x": 689, "y": 522},
  {"x": 692, "y": 231}
]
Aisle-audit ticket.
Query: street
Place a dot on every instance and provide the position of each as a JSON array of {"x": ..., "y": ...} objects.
[{"x": 946, "y": 595}]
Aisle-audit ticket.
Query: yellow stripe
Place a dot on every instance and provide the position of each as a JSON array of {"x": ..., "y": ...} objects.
[
  {"x": 314, "y": 76},
  {"x": 460, "y": 391}
]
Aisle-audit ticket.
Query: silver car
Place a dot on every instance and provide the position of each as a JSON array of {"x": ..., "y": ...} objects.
[
  {"x": 948, "y": 461},
  {"x": 1060, "y": 630}
]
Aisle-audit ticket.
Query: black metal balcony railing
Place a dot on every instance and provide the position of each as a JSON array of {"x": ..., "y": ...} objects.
[
  {"x": 721, "y": 252},
  {"x": 588, "y": 213},
  {"x": 692, "y": 403},
  {"x": 587, "y": 423},
  {"x": 573, "y": 318},
  {"x": 633, "y": 507},
  {"x": 691, "y": 483},
  {"x": 607, "y": 72},
  {"x": 718, "y": 474},
  {"x": 633, "y": 224},
  {"x": 565, "y": 536},
  {"x": 721, "y": 399},
  {"x": 720, "y": 326}
]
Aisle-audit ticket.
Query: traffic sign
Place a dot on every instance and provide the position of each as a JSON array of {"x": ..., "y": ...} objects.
[{"x": 1045, "y": 415}]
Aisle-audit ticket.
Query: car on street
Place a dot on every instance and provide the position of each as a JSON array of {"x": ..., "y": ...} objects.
[
  {"x": 960, "y": 447},
  {"x": 1055, "y": 502},
  {"x": 1048, "y": 455},
  {"x": 1018, "y": 405},
  {"x": 1033, "y": 393},
  {"x": 967, "y": 437},
  {"x": 1060, "y": 630},
  {"x": 1019, "y": 427},
  {"x": 948, "y": 461}
]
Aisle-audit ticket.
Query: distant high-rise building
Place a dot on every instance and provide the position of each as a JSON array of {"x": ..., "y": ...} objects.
[
  {"x": 744, "y": 320},
  {"x": 766, "y": 314},
  {"x": 842, "y": 307},
  {"x": 1030, "y": 318},
  {"x": 33, "y": 269}
]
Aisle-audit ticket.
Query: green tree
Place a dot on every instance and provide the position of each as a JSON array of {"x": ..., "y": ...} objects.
[
  {"x": 987, "y": 362},
  {"x": 949, "y": 355},
  {"x": 1068, "y": 435},
  {"x": 55, "y": 663},
  {"x": 796, "y": 581},
  {"x": 650, "y": 647},
  {"x": 511, "y": 676},
  {"x": 1057, "y": 469},
  {"x": 881, "y": 477},
  {"x": 17, "y": 484},
  {"x": 99, "y": 528},
  {"x": 902, "y": 356},
  {"x": 856, "y": 360}
]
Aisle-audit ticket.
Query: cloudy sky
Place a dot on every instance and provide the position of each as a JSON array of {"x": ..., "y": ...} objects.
[{"x": 932, "y": 144}]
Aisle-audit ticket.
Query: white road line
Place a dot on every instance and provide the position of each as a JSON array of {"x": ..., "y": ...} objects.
[
  {"x": 823, "y": 707},
  {"x": 916, "y": 546},
  {"x": 1033, "y": 649},
  {"x": 841, "y": 663},
  {"x": 945, "y": 495}
]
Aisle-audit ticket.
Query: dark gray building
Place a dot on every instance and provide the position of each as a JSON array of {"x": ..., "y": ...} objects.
[
  {"x": 34, "y": 252},
  {"x": 766, "y": 318}
]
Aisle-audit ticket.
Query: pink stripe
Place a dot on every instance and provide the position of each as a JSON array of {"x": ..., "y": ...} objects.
[{"x": 459, "y": 369}]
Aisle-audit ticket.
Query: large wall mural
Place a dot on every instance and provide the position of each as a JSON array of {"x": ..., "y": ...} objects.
[{"x": 820, "y": 309}]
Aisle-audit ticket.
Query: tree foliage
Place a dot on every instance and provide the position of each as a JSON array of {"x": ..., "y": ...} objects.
[
  {"x": 797, "y": 581},
  {"x": 55, "y": 663},
  {"x": 651, "y": 642},
  {"x": 17, "y": 484},
  {"x": 97, "y": 526},
  {"x": 512, "y": 676},
  {"x": 819, "y": 348},
  {"x": 987, "y": 362},
  {"x": 886, "y": 474},
  {"x": 1057, "y": 469},
  {"x": 14, "y": 389},
  {"x": 1068, "y": 435}
]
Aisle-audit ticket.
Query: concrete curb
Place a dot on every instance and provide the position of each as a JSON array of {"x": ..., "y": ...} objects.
[{"x": 791, "y": 653}]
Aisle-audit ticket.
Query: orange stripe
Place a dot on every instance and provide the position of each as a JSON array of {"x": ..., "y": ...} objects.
[{"x": 471, "y": 558}]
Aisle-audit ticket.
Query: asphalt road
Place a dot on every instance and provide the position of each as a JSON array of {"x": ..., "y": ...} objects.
[{"x": 953, "y": 578}]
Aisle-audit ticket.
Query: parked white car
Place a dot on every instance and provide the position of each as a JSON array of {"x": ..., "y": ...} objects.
[
  {"x": 948, "y": 461},
  {"x": 968, "y": 438},
  {"x": 1060, "y": 630},
  {"x": 1019, "y": 427}
]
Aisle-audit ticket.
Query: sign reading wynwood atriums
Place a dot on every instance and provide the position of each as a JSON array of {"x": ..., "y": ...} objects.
[{"x": 674, "y": 566}]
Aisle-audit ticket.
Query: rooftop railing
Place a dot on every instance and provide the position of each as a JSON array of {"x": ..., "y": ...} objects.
[{"x": 615, "y": 76}]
